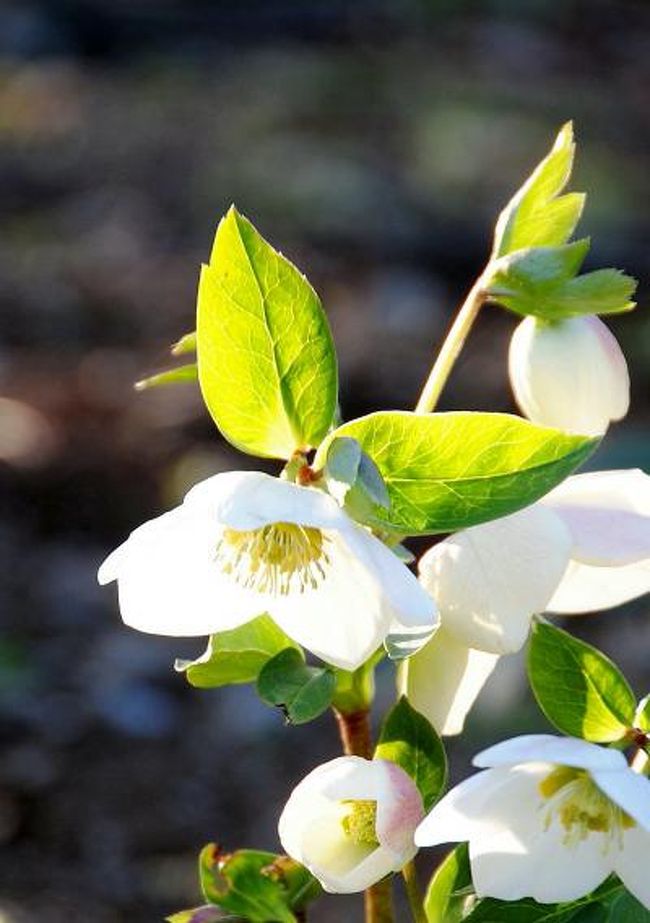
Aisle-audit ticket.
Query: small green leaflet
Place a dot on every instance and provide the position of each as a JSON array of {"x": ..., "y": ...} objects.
[
  {"x": 206, "y": 914},
  {"x": 543, "y": 282},
  {"x": 537, "y": 215},
  {"x": 577, "y": 687},
  {"x": 447, "y": 471},
  {"x": 267, "y": 366},
  {"x": 408, "y": 740},
  {"x": 449, "y": 895},
  {"x": 236, "y": 656},
  {"x": 181, "y": 373},
  {"x": 258, "y": 886},
  {"x": 302, "y": 692}
]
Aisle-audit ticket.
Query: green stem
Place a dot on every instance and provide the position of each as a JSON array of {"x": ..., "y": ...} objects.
[
  {"x": 409, "y": 874},
  {"x": 451, "y": 348}
]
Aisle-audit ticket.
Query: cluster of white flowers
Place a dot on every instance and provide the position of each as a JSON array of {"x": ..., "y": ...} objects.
[{"x": 244, "y": 543}]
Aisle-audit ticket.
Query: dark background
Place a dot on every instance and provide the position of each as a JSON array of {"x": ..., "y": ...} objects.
[{"x": 374, "y": 143}]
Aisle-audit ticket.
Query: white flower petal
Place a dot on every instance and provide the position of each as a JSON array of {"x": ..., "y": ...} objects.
[
  {"x": 632, "y": 864},
  {"x": 527, "y": 856},
  {"x": 571, "y": 375},
  {"x": 375, "y": 866},
  {"x": 345, "y": 619},
  {"x": 169, "y": 582},
  {"x": 444, "y": 679},
  {"x": 348, "y": 778},
  {"x": 608, "y": 515},
  {"x": 248, "y": 500},
  {"x": 629, "y": 790},
  {"x": 547, "y": 748},
  {"x": 490, "y": 579},
  {"x": 465, "y": 811},
  {"x": 592, "y": 589},
  {"x": 412, "y": 606},
  {"x": 399, "y": 810}
]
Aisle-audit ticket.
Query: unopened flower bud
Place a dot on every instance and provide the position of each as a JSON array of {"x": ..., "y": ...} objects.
[{"x": 570, "y": 374}]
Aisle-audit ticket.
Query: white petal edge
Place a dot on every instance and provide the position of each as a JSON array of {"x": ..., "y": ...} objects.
[
  {"x": 629, "y": 790},
  {"x": 547, "y": 748},
  {"x": 593, "y": 589}
]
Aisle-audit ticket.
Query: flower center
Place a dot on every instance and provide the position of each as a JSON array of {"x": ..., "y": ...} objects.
[
  {"x": 360, "y": 822},
  {"x": 581, "y": 807},
  {"x": 281, "y": 558}
]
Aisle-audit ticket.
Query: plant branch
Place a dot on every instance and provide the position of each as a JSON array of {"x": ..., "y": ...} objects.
[
  {"x": 409, "y": 874},
  {"x": 451, "y": 348}
]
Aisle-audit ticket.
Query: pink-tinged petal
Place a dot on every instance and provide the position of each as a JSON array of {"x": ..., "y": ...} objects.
[
  {"x": 632, "y": 864},
  {"x": 399, "y": 810},
  {"x": 629, "y": 790},
  {"x": 547, "y": 748},
  {"x": 570, "y": 375},
  {"x": 592, "y": 589},
  {"x": 608, "y": 515},
  {"x": 444, "y": 679},
  {"x": 490, "y": 580}
]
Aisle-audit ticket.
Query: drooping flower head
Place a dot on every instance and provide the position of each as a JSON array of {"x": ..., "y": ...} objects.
[
  {"x": 245, "y": 543},
  {"x": 584, "y": 547},
  {"x": 351, "y": 822},
  {"x": 549, "y": 818}
]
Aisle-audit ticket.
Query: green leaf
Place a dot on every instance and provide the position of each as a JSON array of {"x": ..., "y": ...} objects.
[
  {"x": 408, "y": 740},
  {"x": 206, "y": 914},
  {"x": 626, "y": 909},
  {"x": 642, "y": 715},
  {"x": 535, "y": 216},
  {"x": 447, "y": 471},
  {"x": 236, "y": 656},
  {"x": 249, "y": 883},
  {"x": 577, "y": 687},
  {"x": 186, "y": 344},
  {"x": 267, "y": 366},
  {"x": 175, "y": 376},
  {"x": 302, "y": 692},
  {"x": 529, "y": 911},
  {"x": 544, "y": 282},
  {"x": 449, "y": 894}
]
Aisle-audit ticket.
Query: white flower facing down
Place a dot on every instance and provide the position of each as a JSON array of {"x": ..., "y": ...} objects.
[
  {"x": 550, "y": 818},
  {"x": 351, "y": 822},
  {"x": 584, "y": 547},
  {"x": 244, "y": 543},
  {"x": 570, "y": 374}
]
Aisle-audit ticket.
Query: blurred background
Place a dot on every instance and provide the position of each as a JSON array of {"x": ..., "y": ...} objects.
[{"x": 374, "y": 142}]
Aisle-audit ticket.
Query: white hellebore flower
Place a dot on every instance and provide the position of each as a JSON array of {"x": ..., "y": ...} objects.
[
  {"x": 550, "y": 818},
  {"x": 351, "y": 822},
  {"x": 570, "y": 374},
  {"x": 243, "y": 543},
  {"x": 584, "y": 547}
]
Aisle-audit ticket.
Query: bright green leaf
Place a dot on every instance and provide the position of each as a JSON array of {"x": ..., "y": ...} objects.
[
  {"x": 577, "y": 687},
  {"x": 175, "y": 376},
  {"x": 245, "y": 883},
  {"x": 354, "y": 480},
  {"x": 302, "y": 692},
  {"x": 535, "y": 216},
  {"x": 642, "y": 715},
  {"x": 408, "y": 740},
  {"x": 236, "y": 656},
  {"x": 447, "y": 471},
  {"x": 450, "y": 895},
  {"x": 267, "y": 366}
]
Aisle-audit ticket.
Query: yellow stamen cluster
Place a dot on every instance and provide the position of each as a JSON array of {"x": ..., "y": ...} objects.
[
  {"x": 581, "y": 807},
  {"x": 280, "y": 558},
  {"x": 360, "y": 823}
]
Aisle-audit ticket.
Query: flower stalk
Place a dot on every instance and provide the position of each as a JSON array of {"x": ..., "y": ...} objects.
[{"x": 409, "y": 874}]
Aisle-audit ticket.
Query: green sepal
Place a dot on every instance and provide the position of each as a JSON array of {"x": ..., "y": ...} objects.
[
  {"x": 353, "y": 479},
  {"x": 410, "y": 741},
  {"x": 267, "y": 366},
  {"x": 448, "y": 471},
  {"x": 537, "y": 216},
  {"x": 236, "y": 656},
  {"x": 450, "y": 895},
  {"x": 260, "y": 886},
  {"x": 580, "y": 690},
  {"x": 354, "y": 690},
  {"x": 302, "y": 692}
]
